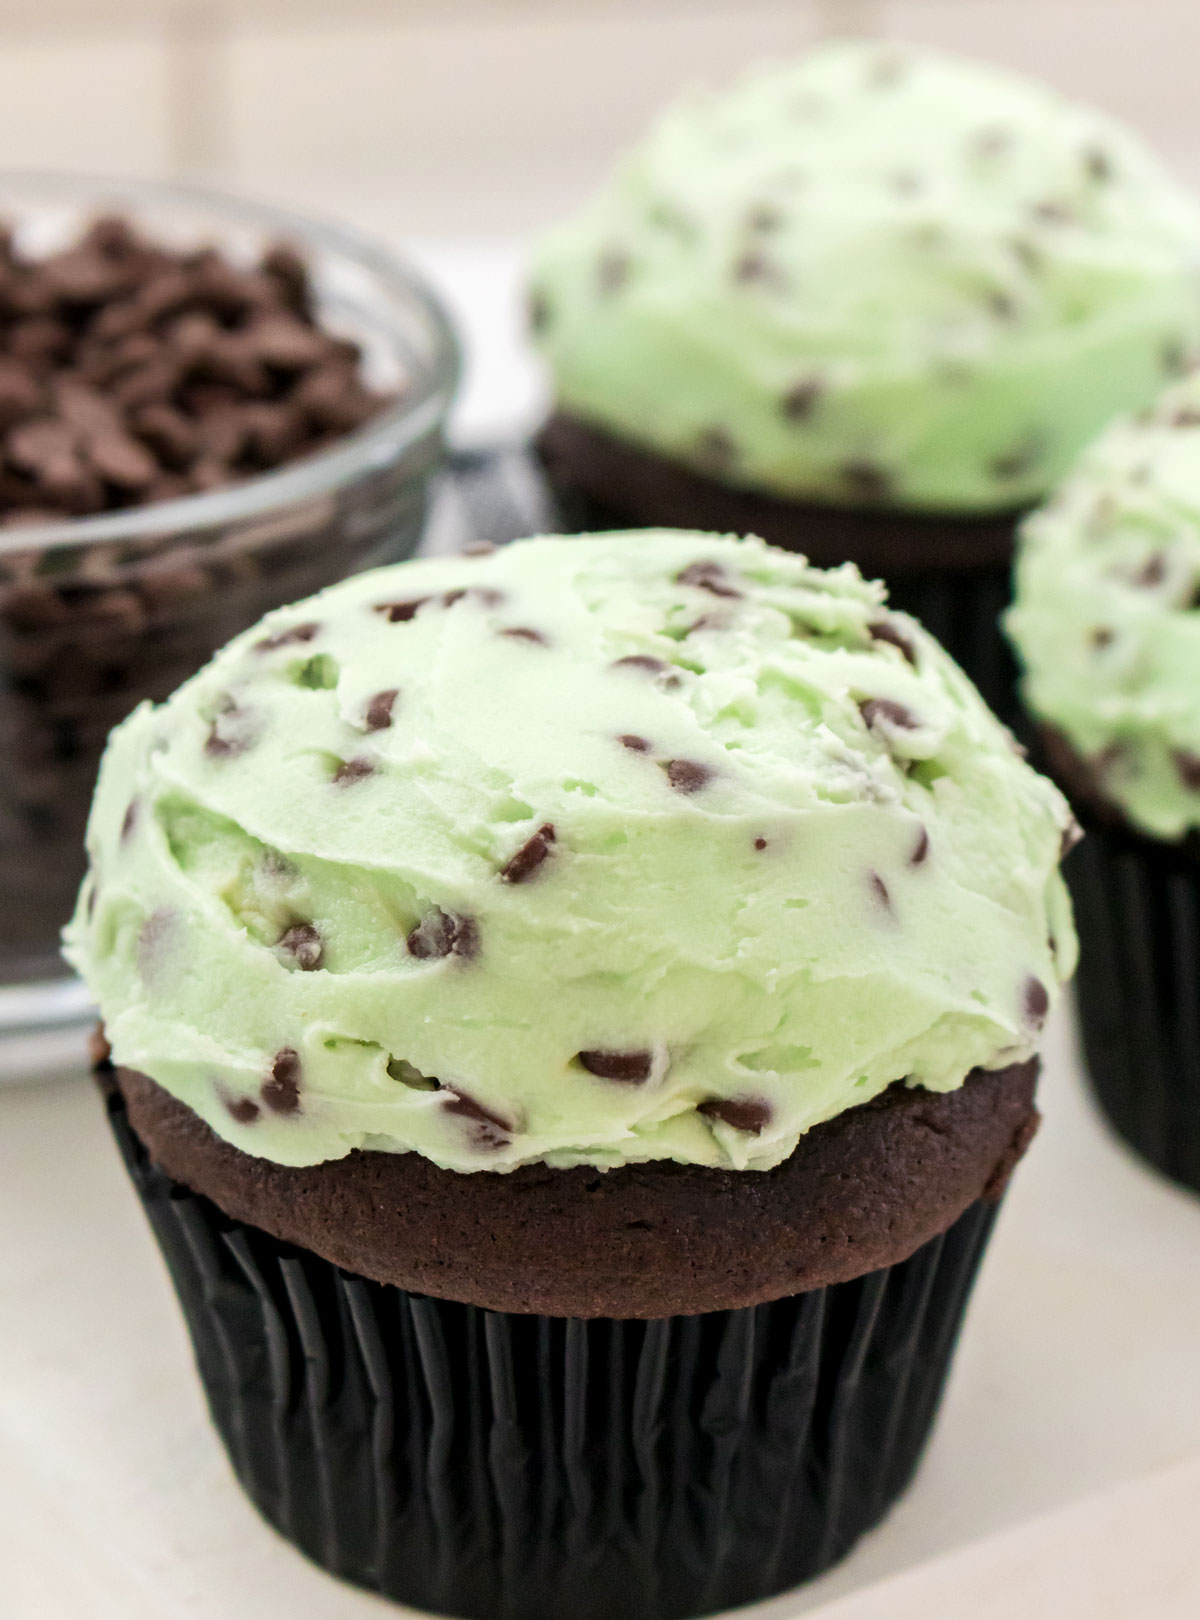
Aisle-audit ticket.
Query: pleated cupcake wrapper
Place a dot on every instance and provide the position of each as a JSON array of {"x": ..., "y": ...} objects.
[
  {"x": 1137, "y": 905},
  {"x": 513, "y": 1467}
]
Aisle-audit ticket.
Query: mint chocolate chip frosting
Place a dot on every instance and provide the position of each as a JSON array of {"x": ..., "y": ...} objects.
[
  {"x": 873, "y": 277},
  {"x": 1107, "y": 614},
  {"x": 650, "y": 846}
]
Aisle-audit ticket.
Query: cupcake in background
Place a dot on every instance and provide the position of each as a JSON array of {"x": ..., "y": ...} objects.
[
  {"x": 1106, "y": 622},
  {"x": 573, "y": 1015},
  {"x": 868, "y": 305}
]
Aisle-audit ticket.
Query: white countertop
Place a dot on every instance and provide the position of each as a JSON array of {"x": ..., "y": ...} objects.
[{"x": 1077, "y": 1374}]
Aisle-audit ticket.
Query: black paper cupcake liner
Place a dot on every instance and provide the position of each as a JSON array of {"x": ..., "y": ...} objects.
[
  {"x": 1137, "y": 905},
  {"x": 510, "y": 1467}
]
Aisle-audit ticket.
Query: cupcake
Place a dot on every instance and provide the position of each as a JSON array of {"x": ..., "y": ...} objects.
[
  {"x": 868, "y": 305},
  {"x": 572, "y": 1017},
  {"x": 1105, "y": 624}
]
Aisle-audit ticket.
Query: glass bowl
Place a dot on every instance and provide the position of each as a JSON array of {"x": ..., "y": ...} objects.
[{"x": 99, "y": 613}]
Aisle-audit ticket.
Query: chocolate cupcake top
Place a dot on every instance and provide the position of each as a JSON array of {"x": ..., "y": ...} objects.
[
  {"x": 653, "y": 846},
  {"x": 1107, "y": 613},
  {"x": 873, "y": 277}
]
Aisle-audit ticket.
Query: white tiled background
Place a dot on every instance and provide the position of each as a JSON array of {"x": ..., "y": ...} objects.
[{"x": 478, "y": 117}]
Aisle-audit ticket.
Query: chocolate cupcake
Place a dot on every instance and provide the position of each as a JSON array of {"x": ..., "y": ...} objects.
[
  {"x": 867, "y": 305},
  {"x": 1106, "y": 625},
  {"x": 573, "y": 1015}
]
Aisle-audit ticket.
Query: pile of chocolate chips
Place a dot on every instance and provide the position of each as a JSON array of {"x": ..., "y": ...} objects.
[{"x": 132, "y": 372}]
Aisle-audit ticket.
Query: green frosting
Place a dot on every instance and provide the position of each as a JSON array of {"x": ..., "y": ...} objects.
[
  {"x": 873, "y": 277},
  {"x": 590, "y": 850},
  {"x": 1107, "y": 612}
]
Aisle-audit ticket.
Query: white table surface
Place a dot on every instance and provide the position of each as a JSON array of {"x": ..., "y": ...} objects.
[{"x": 1077, "y": 1375}]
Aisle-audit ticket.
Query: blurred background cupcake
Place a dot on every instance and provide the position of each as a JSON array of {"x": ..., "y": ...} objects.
[
  {"x": 867, "y": 305},
  {"x": 1105, "y": 622},
  {"x": 576, "y": 1008}
]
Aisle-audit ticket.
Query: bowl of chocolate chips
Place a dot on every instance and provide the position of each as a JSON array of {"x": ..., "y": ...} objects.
[{"x": 207, "y": 408}]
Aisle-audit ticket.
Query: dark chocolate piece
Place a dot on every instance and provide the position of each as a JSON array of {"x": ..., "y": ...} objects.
[
  {"x": 281, "y": 1093},
  {"x": 521, "y": 866},
  {"x": 749, "y": 1114},
  {"x": 687, "y": 775},
  {"x": 630, "y": 1068},
  {"x": 353, "y": 770},
  {"x": 442, "y": 933},
  {"x": 380, "y": 709},
  {"x": 303, "y": 942}
]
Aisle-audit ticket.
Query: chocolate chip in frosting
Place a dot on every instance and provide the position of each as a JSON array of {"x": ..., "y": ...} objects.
[
  {"x": 1187, "y": 765},
  {"x": 920, "y": 850},
  {"x": 612, "y": 270},
  {"x": 1097, "y": 163},
  {"x": 129, "y": 822},
  {"x": 442, "y": 933},
  {"x": 1037, "y": 1002},
  {"x": 687, "y": 775},
  {"x": 489, "y": 1129},
  {"x": 880, "y": 890},
  {"x": 380, "y": 709},
  {"x": 646, "y": 661},
  {"x": 708, "y": 576},
  {"x": 1174, "y": 357},
  {"x": 401, "y": 612},
  {"x": 867, "y": 481},
  {"x": 1019, "y": 461},
  {"x": 523, "y": 632},
  {"x": 886, "y": 712},
  {"x": 757, "y": 268},
  {"x": 241, "y": 1109},
  {"x": 281, "y": 1092},
  {"x": 749, "y": 1114},
  {"x": 232, "y": 731},
  {"x": 353, "y": 770},
  {"x": 888, "y": 630},
  {"x": 1152, "y": 572},
  {"x": 519, "y": 868},
  {"x": 760, "y": 843},
  {"x": 303, "y": 943},
  {"x": 635, "y": 744},
  {"x": 290, "y": 637},
  {"x": 801, "y": 399},
  {"x": 629, "y": 1068}
]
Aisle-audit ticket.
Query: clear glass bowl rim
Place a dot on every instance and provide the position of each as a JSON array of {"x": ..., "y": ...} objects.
[{"x": 390, "y": 434}]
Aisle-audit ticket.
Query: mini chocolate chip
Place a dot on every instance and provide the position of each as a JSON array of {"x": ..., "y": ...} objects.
[
  {"x": 920, "y": 849},
  {"x": 232, "y": 732},
  {"x": 1187, "y": 416},
  {"x": 486, "y": 595},
  {"x": 747, "y": 1114},
  {"x": 757, "y": 267},
  {"x": 884, "y": 710},
  {"x": 687, "y": 775},
  {"x": 708, "y": 576},
  {"x": 287, "y": 638},
  {"x": 1102, "y": 636},
  {"x": 442, "y": 933},
  {"x": 1187, "y": 765},
  {"x": 378, "y": 715},
  {"x": 401, "y": 612},
  {"x": 522, "y": 632},
  {"x": 635, "y": 744},
  {"x": 353, "y": 770},
  {"x": 716, "y": 448},
  {"x": 1052, "y": 212},
  {"x": 880, "y": 890},
  {"x": 492, "y": 1130},
  {"x": 1037, "y": 1002},
  {"x": 1174, "y": 357},
  {"x": 867, "y": 480},
  {"x": 1153, "y": 572},
  {"x": 1098, "y": 163},
  {"x": 521, "y": 866},
  {"x": 708, "y": 621},
  {"x": 612, "y": 270},
  {"x": 303, "y": 942},
  {"x": 760, "y": 843},
  {"x": 281, "y": 1092},
  {"x": 539, "y": 311},
  {"x": 801, "y": 399},
  {"x": 645, "y": 661},
  {"x": 242, "y": 1109},
  {"x": 1019, "y": 461},
  {"x": 887, "y": 630},
  {"x": 630, "y": 1068},
  {"x": 130, "y": 821}
]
